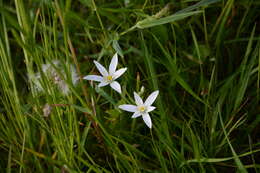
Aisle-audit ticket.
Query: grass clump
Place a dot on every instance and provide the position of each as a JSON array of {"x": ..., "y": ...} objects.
[{"x": 202, "y": 56}]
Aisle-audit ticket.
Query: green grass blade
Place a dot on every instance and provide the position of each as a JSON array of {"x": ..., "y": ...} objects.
[
  {"x": 151, "y": 22},
  {"x": 238, "y": 162}
]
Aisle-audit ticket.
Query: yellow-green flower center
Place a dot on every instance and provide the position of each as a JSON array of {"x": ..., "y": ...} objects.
[
  {"x": 109, "y": 78},
  {"x": 142, "y": 108}
]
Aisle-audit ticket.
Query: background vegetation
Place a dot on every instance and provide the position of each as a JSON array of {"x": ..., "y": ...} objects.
[{"x": 203, "y": 56}]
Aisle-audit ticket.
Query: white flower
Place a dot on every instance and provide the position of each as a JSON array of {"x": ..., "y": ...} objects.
[
  {"x": 108, "y": 77},
  {"x": 52, "y": 73},
  {"x": 142, "y": 108}
]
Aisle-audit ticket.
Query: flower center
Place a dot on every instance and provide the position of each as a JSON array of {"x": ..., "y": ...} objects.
[
  {"x": 109, "y": 78},
  {"x": 142, "y": 108}
]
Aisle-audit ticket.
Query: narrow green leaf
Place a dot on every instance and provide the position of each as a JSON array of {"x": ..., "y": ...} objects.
[
  {"x": 173, "y": 71},
  {"x": 197, "y": 5},
  {"x": 239, "y": 164},
  {"x": 82, "y": 109},
  {"x": 150, "y": 22},
  {"x": 117, "y": 47}
]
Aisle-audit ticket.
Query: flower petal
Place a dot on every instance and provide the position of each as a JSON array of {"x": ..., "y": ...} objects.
[
  {"x": 150, "y": 108},
  {"x": 128, "y": 108},
  {"x": 116, "y": 86},
  {"x": 136, "y": 114},
  {"x": 147, "y": 120},
  {"x": 94, "y": 78},
  {"x": 101, "y": 68},
  {"x": 113, "y": 64},
  {"x": 102, "y": 83},
  {"x": 138, "y": 99},
  {"x": 119, "y": 72},
  {"x": 151, "y": 98}
]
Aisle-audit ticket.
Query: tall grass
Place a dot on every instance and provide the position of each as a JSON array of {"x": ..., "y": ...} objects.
[{"x": 203, "y": 57}]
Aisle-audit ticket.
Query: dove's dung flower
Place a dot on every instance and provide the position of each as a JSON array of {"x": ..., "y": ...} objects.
[
  {"x": 108, "y": 77},
  {"x": 142, "y": 108}
]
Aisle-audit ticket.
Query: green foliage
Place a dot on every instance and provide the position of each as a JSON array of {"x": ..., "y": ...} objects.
[{"x": 203, "y": 57}]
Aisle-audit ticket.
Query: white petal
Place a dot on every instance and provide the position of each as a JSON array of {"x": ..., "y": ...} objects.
[
  {"x": 102, "y": 83},
  {"x": 94, "y": 78},
  {"x": 113, "y": 64},
  {"x": 136, "y": 114},
  {"x": 151, "y": 98},
  {"x": 128, "y": 108},
  {"x": 101, "y": 68},
  {"x": 119, "y": 72},
  {"x": 116, "y": 86},
  {"x": 138, "y": 99},
  {"x": 150, "y": 108},
  {"x": 147, "y": 120}
]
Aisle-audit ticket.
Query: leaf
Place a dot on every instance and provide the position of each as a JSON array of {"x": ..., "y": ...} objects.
[
  {"x": 117, "y": 48},
  {"x": 238, "y": 162},
  {"x": 197, "y": 5},
  {"x": 105, "y": 95},
  {"x": 82, "y": 109},
  {"x": 150, "y": 22},
  {"x": 174, "y": 72}
]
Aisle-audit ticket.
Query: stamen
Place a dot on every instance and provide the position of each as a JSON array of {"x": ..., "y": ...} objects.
[
  {"x": 109, "y": 78},
  {"x": 142, "y": 108}
]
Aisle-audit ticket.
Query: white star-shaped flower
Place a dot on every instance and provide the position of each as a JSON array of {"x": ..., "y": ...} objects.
[
  {"x": 142, "y": 108},
  {"x": 108, "y": 77}
]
